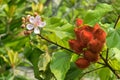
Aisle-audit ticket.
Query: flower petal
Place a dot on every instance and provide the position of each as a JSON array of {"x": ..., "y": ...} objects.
[
  {"x": 30, "y": 26},
  {"x": 37, "y": 18},
  {"x": 36, "y": 30},
  {"x": 32, "y": 19},
  {"x": 42, "y": 24}
]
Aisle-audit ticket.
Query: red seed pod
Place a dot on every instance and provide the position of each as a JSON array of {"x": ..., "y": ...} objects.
[
  {"x": 82, "y": 63},
  {"x": 100, "y": 35},
  {"x": 79, "y": 30},
  {"x": 86, "y": 36},
  {"x": 79, "y": 22},
  {"x": 77, "y": 33},
  {"x": 88, "y": 28},
  {"x": 76, "y": 46},
  {"x": 95, "y": 45},
  {"x": 90, "y": 56},
  {"x": 96, "y": 27}
]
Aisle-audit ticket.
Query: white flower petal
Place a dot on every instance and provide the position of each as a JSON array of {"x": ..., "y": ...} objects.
[
  {"x": 36, "y": 30},
  {"x": 32, "y": 19},
  {"x": 37, "y": 18},
  {"x": 30, "y": 26},
  {"x": 42, "y": 24}
]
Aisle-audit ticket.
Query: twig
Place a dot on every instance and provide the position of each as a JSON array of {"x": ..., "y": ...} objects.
[
  {"x": 91, "y": 71},
  {"x": 55, "y": 43},
  {"x": 107, "y": 54},
  {"x": 116, "y": 21},
  {"x": 100, "y": 63},
  {"x": 107, "y": 64}
]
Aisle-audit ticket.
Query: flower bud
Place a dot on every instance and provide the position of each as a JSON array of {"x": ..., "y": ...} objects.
[{"x": 23, "y": 26}]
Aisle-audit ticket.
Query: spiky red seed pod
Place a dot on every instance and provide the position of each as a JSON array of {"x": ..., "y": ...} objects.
[
  {"x": 90, "y": 56},
  {"x": 95, "y": 45},
  {"x": 88, "y": 28},
  {"x": 86, "y": 36},
  {"x": 82, "y": 63},
  {"x": 100, "y": 35},
  {"x": 76, "y": 46},
  {"x": 79, "y": 30},
  {"x": 96, "y": 27},
  {"x": 79, "y": 22},
  {"x": 77, "y": 33}
]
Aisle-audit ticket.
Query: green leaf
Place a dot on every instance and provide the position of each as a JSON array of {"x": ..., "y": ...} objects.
[
  {"x": 74, "y": 73},
  {"x": 94, "y": 16},
  {"x": 33, "y": 54},
  {"x": 113, "y": 38},
  {"x": 117, "y": 53},
  {"x": 4, "y": 58},
  {"x": 115, "y": 58},
  {"x": 55, "y": 22},
  {"x": 105, "y": 74},
  {"x": 60, "y": 64},
  {"x": 60, "y": 27},
  {"x": 118, "y": 24},
  {"x": 43, "y": 61},
  {"x": 56, "y": 39}
]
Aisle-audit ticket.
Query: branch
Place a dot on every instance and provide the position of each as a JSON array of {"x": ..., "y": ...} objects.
[
  {"x": 107, "y": 54},
  {"x": 91, "y": 71},
  {"x": 55, "y": 43},
  {"x": 116, "y": 21},
  {"x": 100, "y": 63}
]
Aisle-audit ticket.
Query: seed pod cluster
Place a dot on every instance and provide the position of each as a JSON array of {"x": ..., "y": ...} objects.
[{"x": 89, "y": 42}]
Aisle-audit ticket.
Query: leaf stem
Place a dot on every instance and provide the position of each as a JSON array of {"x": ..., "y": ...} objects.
[{"x": 116, "y": 21}]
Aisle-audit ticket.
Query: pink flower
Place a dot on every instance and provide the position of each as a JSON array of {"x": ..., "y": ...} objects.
[{"x": 35, "y": 23}]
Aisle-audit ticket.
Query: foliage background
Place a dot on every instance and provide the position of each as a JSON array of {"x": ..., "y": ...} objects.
[{"x": 49, "y": 61}]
